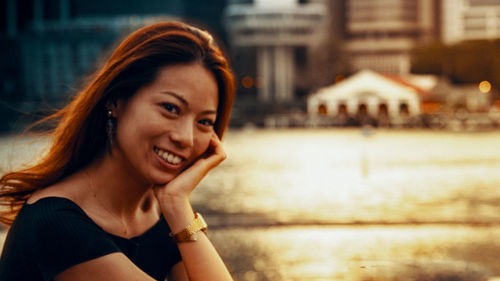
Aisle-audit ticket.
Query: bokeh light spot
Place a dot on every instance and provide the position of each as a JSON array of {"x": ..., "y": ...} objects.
[
  {"x": 247, "y": 82},
  {"x": 484, "y": 86}
]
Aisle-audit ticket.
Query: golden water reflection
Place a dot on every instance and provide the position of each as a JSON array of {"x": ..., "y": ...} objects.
[
  {"x": 341, "y": 176},
  {"x": 361, "y": 253},
  {"x": 338, "y": 205}
]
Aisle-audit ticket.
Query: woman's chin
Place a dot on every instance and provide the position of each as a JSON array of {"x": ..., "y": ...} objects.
[
  {"x": 163, "y": 179},
  {"x": 161, "y": 182}
]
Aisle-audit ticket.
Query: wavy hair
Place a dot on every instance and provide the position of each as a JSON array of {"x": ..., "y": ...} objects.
[{"x": 80, "y": 134}]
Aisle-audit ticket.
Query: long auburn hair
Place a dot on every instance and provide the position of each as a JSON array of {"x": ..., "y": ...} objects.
[{"x": 80, "y": 135}]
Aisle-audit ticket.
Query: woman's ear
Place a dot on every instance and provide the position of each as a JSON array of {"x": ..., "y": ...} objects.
[{"x": 114, "y": 107}]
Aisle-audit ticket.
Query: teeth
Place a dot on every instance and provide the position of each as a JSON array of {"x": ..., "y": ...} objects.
[
  {"x": 177, "y": 160},
  {"x": 169, "y": 157}
]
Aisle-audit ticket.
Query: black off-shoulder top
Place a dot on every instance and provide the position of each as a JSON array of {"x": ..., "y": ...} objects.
[{"x": 54, "y": 234}]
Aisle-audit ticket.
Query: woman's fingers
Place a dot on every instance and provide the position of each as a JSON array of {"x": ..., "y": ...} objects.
[
  {"x": 203, "y": 165},
  {"x": 218, "y": 154},
  {"x": 186, "y": 181}
]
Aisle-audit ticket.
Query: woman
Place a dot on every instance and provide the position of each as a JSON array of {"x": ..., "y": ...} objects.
[{"x": 110, "y": 200}]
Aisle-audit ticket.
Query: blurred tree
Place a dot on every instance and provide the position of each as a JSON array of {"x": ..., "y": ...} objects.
[
  {"x": 464, "y": 62},
  {"x": 430, "y": 59},
  {"x": 471, "y": 61}
]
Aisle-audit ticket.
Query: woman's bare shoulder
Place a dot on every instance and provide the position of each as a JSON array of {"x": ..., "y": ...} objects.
[{"x": 69, "y": 188}]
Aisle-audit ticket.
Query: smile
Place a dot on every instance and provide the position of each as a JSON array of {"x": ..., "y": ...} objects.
[{"x": 168, "y": 157}]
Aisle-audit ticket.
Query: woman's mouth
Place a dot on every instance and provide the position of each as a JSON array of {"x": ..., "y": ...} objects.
[{"x": 168, "y": 156}]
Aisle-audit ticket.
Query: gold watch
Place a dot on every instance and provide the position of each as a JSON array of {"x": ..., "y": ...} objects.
[{"x": 190, "y": 233}]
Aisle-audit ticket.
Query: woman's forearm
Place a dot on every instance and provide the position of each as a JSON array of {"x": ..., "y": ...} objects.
[
  {"x": 202, "y": 261},
  {"x": 200, "y": 258}
]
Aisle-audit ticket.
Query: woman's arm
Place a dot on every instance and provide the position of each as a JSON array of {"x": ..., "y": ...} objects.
[
  {"x": 201, "y": 260},
  {"x": 111, "y": 267},
  {"x": 178, "y": 273}
]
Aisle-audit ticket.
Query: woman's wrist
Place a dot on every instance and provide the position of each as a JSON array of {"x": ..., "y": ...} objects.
[{"x": 178, "y": 213}]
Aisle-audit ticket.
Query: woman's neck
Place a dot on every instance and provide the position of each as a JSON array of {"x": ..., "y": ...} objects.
[{"x": 118, "y": 189}]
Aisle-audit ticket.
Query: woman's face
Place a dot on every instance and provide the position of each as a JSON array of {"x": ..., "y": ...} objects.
[{"x": 167, "y": 124}]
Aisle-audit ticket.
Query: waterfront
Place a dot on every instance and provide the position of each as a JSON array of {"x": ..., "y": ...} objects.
[{"x": 340, "y": 204}]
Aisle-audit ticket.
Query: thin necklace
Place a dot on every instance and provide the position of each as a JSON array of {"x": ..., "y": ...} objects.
[{"x": 92, "y": 190}]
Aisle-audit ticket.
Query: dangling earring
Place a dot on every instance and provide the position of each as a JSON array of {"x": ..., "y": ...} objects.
[{"x": 110, "y": 130}]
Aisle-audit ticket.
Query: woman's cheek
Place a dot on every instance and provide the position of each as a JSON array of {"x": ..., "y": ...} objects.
[
  {"x": 204, "y": 143},
  {"x": 201, "y": 145}
]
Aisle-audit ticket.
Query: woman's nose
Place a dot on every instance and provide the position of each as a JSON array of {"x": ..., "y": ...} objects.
[{"x": 182, "y": 135}]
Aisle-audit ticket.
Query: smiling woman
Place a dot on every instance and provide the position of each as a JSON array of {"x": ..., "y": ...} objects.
[{"x": 110, "y": 200}]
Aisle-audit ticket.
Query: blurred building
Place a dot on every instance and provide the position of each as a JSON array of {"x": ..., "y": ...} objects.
[
  {"x": 381, "y": 33},
  {"x": 367, "y": 97},
  {"x": 470, "y": 19},
  {"x": 54, "y": 44},
  {"x": 271, "y": 41}
]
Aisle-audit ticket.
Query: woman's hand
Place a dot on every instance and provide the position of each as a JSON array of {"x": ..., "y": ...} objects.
[{"x": 174, "y": 196}]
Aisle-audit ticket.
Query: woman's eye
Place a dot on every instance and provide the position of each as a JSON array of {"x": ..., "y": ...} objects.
[
  {"x": 206, "y": 122},
  {"x": 171, "y": 108}
]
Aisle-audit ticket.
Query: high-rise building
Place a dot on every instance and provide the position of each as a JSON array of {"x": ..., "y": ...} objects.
[
  {"x": 470, "y": 20},
  {"x": 380, "y": 33},
  {"x": 270, "y": 40}
]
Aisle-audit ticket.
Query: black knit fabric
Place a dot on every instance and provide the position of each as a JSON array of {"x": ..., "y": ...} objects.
[{"x": 54, "y": 234}]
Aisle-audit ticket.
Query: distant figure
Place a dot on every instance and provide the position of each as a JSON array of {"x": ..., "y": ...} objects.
[{"x": 110, "y": 200}]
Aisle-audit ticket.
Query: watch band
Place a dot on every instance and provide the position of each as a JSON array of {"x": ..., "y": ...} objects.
[{"x": 189, "y": 234}]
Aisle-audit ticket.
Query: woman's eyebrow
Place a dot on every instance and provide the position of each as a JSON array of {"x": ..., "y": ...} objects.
[
  {"x": 180, "y": 98},
  {"x": 207, "y": 112}
]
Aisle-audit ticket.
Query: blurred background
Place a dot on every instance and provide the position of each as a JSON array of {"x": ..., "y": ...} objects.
[{"x": 363, "y": 141}]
